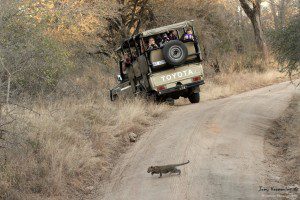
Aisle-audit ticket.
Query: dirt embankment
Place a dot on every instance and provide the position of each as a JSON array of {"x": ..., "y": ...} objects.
[{"x": 282, "y": 153}]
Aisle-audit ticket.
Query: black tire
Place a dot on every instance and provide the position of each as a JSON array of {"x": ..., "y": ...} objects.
[
  {"x": 170, "y": 101},
  {"x": 194, "y": 97},
  {"x": 175, "y": 52},
  {"x": 115, "y": 97}
]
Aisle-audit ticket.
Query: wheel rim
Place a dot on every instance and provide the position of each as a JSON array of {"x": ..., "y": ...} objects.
[{"x": 176, "y": 53}]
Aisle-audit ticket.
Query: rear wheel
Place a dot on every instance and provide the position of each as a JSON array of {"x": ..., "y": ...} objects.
[
  {"x": 194, "y": 97},
  {"x": 175, "y": 52}
]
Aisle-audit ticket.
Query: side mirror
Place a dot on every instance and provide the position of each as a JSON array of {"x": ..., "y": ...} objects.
[{"x": 119, "y": 77}]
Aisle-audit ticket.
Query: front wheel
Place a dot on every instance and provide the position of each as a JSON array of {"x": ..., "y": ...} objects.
[
  {"x": 194, "y": 97},
  {"x": 170, "y": 101}
]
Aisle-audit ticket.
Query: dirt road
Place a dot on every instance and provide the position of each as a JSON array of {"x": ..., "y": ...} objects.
[{"x": 223, "y": 139}]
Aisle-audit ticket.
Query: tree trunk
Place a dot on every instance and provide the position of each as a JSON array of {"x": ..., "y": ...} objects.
[
  {"x": 281, "y": 14},
  {"x": 273, "y": 7},
  {"x": 133, "y": 13},
  {"x": 140, "y": 16},
  {"x": 284, "y": 4},
  {"x": 254, "y": 16},
  {"x": 258, "y": 34},
  {"x": 279, "y": 10}
]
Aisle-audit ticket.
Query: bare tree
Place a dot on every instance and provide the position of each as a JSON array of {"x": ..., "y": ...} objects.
[
  {"x": 134, "y": 15},
  {"x": 252, "y": 9},
  {"x": 279, "y": 10},
  {"x": 273, "y": 7}
]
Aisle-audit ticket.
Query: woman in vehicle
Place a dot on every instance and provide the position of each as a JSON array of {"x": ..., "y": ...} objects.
[{"x": 188, "y": 36}]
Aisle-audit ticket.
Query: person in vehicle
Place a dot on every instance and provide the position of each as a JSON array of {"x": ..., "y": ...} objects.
[
  {"x": 159, "y": 40},
  {"x": 173, "y": 35},
  {"x": 126, "y": 63},
  {"x": 134, "y": 55},
  {"x": 165, "y": 38},
  {"x": 188, "y": 36},
  {"x": 152, "y": 45}
]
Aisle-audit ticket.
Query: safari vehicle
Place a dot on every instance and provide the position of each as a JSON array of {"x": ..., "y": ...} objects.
[{"x": 170, "y": 70}]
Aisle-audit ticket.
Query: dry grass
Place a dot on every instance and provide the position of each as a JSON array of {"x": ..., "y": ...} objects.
[
  {"x": 226, "y": 84},
  {"x": 71, "y": 145},
  {"x": 239, "y": 73}
]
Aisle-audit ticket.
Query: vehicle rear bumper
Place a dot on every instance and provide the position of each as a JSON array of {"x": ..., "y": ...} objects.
[{"x": 181, "y": 87}]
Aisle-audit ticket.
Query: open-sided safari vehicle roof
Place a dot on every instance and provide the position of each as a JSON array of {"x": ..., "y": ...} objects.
[
  {"x": 164, "y": 29},
  {"x": 130, "y": 41}
]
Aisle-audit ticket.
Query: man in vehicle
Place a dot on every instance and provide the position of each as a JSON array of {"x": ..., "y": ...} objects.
[{"x": 152, "y": 45}]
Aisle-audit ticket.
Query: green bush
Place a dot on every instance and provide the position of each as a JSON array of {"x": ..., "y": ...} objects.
[
  {"x": 286, "y": 45},
  {"x": 34, "y": 61}
]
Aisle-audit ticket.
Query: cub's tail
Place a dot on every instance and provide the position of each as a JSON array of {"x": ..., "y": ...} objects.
[{"x": 183, "y": 163}]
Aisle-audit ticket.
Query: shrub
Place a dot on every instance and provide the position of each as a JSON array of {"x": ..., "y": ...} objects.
[
  {"x": 32, "y": 61},
  {"x": 286, "y": 46}
]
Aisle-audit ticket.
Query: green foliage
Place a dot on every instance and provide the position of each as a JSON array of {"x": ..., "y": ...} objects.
[
  {"x": 48, "y": 64},
  {"x": 286, "y": 45},
  {"x": 32, "y": 60}
]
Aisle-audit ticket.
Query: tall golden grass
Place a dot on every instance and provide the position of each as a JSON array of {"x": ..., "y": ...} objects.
[
  {"x": 238, "y": 73},
  {"x": 69, "y": 146},
  {"x": 226, "y": 84}
]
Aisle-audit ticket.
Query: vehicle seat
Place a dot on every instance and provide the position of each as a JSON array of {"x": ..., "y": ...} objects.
[
  {"x": 191, "y": 50},
  {"x": 156, "y": 56}
]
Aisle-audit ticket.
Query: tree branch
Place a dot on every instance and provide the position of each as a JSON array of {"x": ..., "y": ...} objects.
[{"x": 247, "y": 9}]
